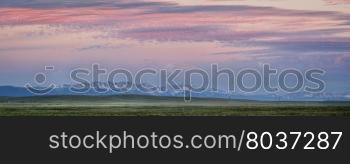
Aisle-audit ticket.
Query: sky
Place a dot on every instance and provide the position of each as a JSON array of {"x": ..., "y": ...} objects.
[{"x": 171, "y": 34}]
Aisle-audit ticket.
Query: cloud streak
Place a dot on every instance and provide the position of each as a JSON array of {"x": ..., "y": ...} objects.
[
  {"x": 282, "y": 30},
  {"x": 337, "y": 2}
]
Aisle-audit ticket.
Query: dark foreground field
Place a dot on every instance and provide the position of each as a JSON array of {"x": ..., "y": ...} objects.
[{"x": 162, "y": 106}]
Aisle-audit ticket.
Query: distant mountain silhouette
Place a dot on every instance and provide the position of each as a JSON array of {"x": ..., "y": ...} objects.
[{"x": 12, "y": 91}]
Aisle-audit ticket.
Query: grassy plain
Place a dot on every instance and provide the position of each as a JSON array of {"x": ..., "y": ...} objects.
[{"x": 133, "y": 105}]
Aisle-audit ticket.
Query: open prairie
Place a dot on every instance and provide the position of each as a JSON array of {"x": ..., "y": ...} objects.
[{"x": 132, "y": 105}]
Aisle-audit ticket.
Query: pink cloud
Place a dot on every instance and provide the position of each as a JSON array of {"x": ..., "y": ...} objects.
[
  {"x": 79, "y": 16},
  {"x": 342, "y": 59},
  {"x": 337, "y": 2},
  {"x": 277, "y": 30}
]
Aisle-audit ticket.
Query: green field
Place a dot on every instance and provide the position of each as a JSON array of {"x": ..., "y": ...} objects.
[{"x": 131, "y": 105}]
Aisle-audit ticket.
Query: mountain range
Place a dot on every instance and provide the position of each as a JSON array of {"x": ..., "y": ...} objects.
[{"x": 15, "y": 91}]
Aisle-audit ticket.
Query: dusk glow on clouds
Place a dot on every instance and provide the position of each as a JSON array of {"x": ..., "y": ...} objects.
[
  {"x": 338, "y": 2},
  {"x": 173, "y": 34}
]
